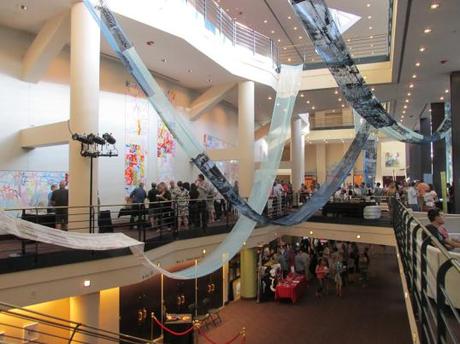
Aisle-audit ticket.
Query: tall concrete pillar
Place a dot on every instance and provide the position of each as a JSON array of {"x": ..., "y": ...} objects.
[
  {"x": 248, "y": 267},
  {"x": 455, "y": 110},
  {"x": 321, "y": 168},
  {"x": 425, "y": 149},
  {"x": 84, "y": 105},
  {"x": 246, "y": 136},
  {"x": 414, "y": 161},
  {"x": 439, "y": 147},
  {"x": 85, "y": 310},
  {"x": 297, "y": 155}
]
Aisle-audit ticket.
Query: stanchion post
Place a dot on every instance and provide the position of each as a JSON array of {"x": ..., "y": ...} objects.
[
  {"x": 162, "y": 301},
  {"x": 243, "y": 335},
  {"x": 152, "y": 315},
  {"x": 196, "y": 288}
]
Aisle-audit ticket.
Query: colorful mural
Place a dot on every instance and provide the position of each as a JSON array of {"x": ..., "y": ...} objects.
[
  {"x": 21, "y": 189},
  {"x": 134, "y": 165},
  {"x": 165, "y": 144}
]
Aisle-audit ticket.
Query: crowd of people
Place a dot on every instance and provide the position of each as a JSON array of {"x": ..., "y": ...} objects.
[
  {"x": 332, "y": 264},
  {"x": 197, "y": 203}
]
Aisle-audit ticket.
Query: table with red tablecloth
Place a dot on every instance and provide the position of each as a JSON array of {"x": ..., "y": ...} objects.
[{"x": 292, "y": 287}]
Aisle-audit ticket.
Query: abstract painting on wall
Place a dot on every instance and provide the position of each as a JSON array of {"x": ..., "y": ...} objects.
[
  {"x": 21, "y": 189},
  {"x": 165, "y": 144},
  {"x": 134, "y": 165}
]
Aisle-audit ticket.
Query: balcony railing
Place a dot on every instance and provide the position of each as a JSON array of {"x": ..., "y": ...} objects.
[
  {"x": 218, "y": 22},
  {"x": 363, "y": 49},
  {"x": 433, "y": 278}
]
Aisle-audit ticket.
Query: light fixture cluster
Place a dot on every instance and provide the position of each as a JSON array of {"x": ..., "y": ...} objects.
[{"x": 94, "y": 146}]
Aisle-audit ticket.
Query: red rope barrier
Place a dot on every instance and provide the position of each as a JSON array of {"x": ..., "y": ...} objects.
[
  {"x": 171, "y": 331},
  {"x": 243, "y": 339}
]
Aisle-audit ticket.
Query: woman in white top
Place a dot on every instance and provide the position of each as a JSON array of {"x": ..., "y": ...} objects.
[
  {"x": 412, "y": 200},
  {"x": 430, "y": 198}
]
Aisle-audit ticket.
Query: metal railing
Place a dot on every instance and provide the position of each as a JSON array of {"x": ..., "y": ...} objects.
[
  {"x": 48, "y": 329},
  {"x": 218, "y": 22},
  {"x": 155, "y": 223},
  {"x": 433, "y": 278},
  {"x": 362, "y": 49}
]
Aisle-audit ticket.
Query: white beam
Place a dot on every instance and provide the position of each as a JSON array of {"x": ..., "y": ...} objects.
[
  {"x": 45, "y": 135},
  {"x": 208, "y": 99},
  {"x": 53, "y": 36}
]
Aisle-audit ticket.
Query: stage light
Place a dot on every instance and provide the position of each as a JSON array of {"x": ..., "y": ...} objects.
[
  {"x": 109, "y": 138},
  {"x": 81, "y": 138},
  {"x": 96, "y": 139}
]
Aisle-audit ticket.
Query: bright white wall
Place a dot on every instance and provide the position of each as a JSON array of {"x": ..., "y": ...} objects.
[
  {"x": 393, "y": 147},
  {"x": 23, "y": 105}
]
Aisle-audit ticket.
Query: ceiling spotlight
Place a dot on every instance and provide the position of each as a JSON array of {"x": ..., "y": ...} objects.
[
  {"x": 441, "y": 98},
  {"x": 265, "y": 21},
  {"x": 411, "y": 86},
  {"x": 289, "y": 59},
  {"x": 289, "y": 18},
  {"x": 273, "y": 31},
  {"x": 269, "y": 98},
  {"x": 343, "y": 105},
  {"x": 368, "y": 5},
  {"x": 295, "y": 28},
  {"x": 279, "y": 40},
  {"x": 407, "y": 100},
  {"x": 446, "y": 91},
  {"x": 300, "y": 37},
  {"x": 301, "y": 95},
  {"x": 348, "y": 40},
  {"x": 427, "y": 30},
  {"x": 109, "y": 138},
  {"x": 404, "y": 112},
  {"x": 414, "y": 76},
  {"x": 370, "y": 28},
  {"x": 402, "y": 116},
  {"x": 308, "y": 102},
  {"x": 422, "y": 49},
  {"x": 340, "y": 99},
  {"x": 372, "y": 89},
  {"x": 369, "y": 17},
  {"x": 417, "y": 64},
  {"x": 405, "y": 106},
  {"x": 434, "y": 5},
  {"x": 371, "y": 37},
  {"x": 409, "y": 94},
  {"x": 313, "y": 108},
  {"x": 336, "y": 92}
]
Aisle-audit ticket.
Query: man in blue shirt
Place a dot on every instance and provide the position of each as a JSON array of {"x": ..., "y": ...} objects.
[{"x": 138, "y": 196}]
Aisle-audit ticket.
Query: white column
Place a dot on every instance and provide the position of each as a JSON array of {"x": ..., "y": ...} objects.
[
  {"x": 85, "y": 310},
  {"x": 84, "y": 103},
  {"x": 297, "y": 155},
  {"x": 246, "y": 136},
  {"x": 321, "y": 168}
]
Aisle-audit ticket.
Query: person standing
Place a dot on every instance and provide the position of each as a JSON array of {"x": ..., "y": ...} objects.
[
  {"x": 60, "y": 200},
  {"x": 203, "y": 190},
  {"x": 153, "y": 204},
  {"x": 321, "y": 272},
  {"x": 412, "y": 200},
  {"x": 138, "y": 196},
  {"x": 422, "y": 189},
  {"x": 50, "y": 203}
]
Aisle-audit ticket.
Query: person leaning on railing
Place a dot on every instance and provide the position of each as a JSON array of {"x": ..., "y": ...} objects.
[{"x": 436, "y": 227}]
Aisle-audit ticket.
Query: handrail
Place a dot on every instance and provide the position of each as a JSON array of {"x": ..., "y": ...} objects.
[
  {"x": 437, "y": 310},
  {"x": 67, "y": 324}
]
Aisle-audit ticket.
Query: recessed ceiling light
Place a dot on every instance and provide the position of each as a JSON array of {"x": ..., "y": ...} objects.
[
  {"x": 414, "y": 76},
  {"x": 313, "y": 108},
  {"x": 227, "y": 9},
  {"x": 343, "y": 105},
  {"x": 411, "y": 86},
  {"x": 23, "y": 7},
  {"x": 446, "y": 91},
  {"x": 402, "y": 115},
  {"x": 430, "y": 110},
  {"x": 348, "y": 40},
  {"x": 273, "y": 31},
  {"x": 369, "y": 17},
  {"x": 308, "y": 102},
  {"x": 409, "y": 94},
  {"x": 434, "y": 5},
  {"x": 417, "y": 64},
  {"x": 404, "y": 111},
  {"x": 301, "y": 95},
  {"x": 372, "y": 89},
  {"x": 441, "y": 98},
  {"x": 295, "y": 28},
  {"x": 368, "y": 5},
  {"x": 405, "y": 106},
  {"x": 265, "y": 21},
  {"x": 407, "y": 100},
  {"x": 300, "y": 37},
  {"x": 427, "y": 30},
  {"x": 371, "y": 37},
  {"x": 284, "y": 48},
  {"x": 269, "y": 98},
  {"x": 289, "y": 18},
  {"x": 340, "y": 99},
  {"x": 289, "y": 59},
  {"x": 279, "y": 40},
  {"x": 422, "y": 49},
  {"x": 370, "y": 27},
  {"x": 336, "y": 92}
]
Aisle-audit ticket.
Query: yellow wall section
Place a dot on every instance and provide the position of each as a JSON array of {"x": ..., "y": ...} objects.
[{"x": 248, "y": 273}]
